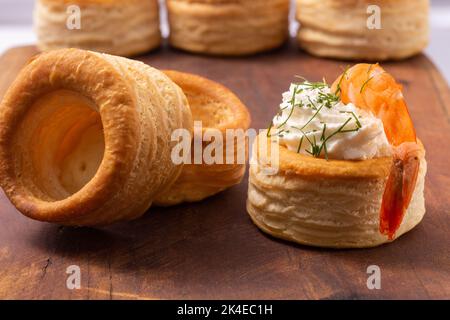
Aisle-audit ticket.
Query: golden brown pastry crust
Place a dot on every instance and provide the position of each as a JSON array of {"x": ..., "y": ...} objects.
[
  {"x": 124, "y": 28},
  {"x": 237, "y": 27},
  {"x": 138, "y": 107},
  {"x": 326, "y": 203},
  {"x": 218, "y": 108},
  {"x": 338, "y": 29}
]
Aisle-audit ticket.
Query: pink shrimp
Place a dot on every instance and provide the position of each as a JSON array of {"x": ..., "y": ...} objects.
[{"x": 370, "y": 87}]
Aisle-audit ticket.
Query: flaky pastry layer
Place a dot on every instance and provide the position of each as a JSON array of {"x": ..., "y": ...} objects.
[
  {"x": 326, "y": 203},
  {"x": 339, "y": 28},
  {"x": 123, "y": 28},
  {"x": 238, "y": 27}
]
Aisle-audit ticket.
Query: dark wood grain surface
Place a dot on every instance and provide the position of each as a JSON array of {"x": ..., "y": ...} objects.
[{"x": 211, "y": 250}]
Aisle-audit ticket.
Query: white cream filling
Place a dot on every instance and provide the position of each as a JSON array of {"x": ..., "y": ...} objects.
[{"x": 313, "y": 121}]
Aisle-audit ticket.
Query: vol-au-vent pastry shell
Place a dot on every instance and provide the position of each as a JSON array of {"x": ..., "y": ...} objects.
[
  {"x": 215, "y": 107},
  {"x": 333, "y": 203},
  {"x": 85, "y": 137},
  {"x": 122, "y": 28},
  {"x": 238, "y": 27},
  {"x": 339, "y": 28}
]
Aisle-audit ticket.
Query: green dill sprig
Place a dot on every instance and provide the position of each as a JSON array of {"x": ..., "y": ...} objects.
[
  {"x": 269, "y": 129},
  {"x": 358, "y": 123},
  {"x": 328, "y": 99},
  {"x": 311, "y": 104},
  {"x": 338, "y": 87},
  {"x": 365, "y": 84},
  {"x": 287, "y": 119},
  {"x": 312, "y": 118},
  {"x": 297, "y": 90},
  {"x": 316, "y": 148},
  {"x": 300, "y": 144}
]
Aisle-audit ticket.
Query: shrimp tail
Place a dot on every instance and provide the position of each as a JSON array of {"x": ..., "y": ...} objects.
[{"x": 400, "y": 187}]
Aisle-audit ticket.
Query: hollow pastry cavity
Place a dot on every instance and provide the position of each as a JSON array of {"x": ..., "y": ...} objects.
[
  {"x": 347, "y": 29},
  {"x": 218, "y": 27},
  {"x": 322, "y": 203},
  {"x": 216, "y": 108},
  {"x": 85, "y": 137},
  {"x": 69, "y": 133},
  {"x": 122, "y": 28}
]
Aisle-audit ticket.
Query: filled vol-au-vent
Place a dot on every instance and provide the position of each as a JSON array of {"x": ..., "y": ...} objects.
[{"x": 350, "y": 170}]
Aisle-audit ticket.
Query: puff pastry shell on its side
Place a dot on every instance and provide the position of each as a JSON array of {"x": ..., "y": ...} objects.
[
  {"x": 238, "y": 27},
  {"x": 326, "y": 203},
  {"x": 123, "y": 28},
  {"x": 339, "y": 28},
  {"x": 85, "y": 138},
  {"x": 220, "y": 109}
]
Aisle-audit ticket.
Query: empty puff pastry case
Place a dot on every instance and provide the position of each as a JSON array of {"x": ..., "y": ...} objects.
[
  {"x": 124, "y": 28},
  {"x": 85, "y": 138},
  {"x": 218, "y": 27},
  {"x": 347, "y": 29},
  {"x": 219, "y": 109}
]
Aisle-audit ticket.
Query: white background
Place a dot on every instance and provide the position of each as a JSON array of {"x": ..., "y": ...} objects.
[{"x": 16, "y": 29}]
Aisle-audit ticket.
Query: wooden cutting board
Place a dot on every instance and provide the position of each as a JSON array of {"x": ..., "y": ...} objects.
[{"x": 211, "y": 250}]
